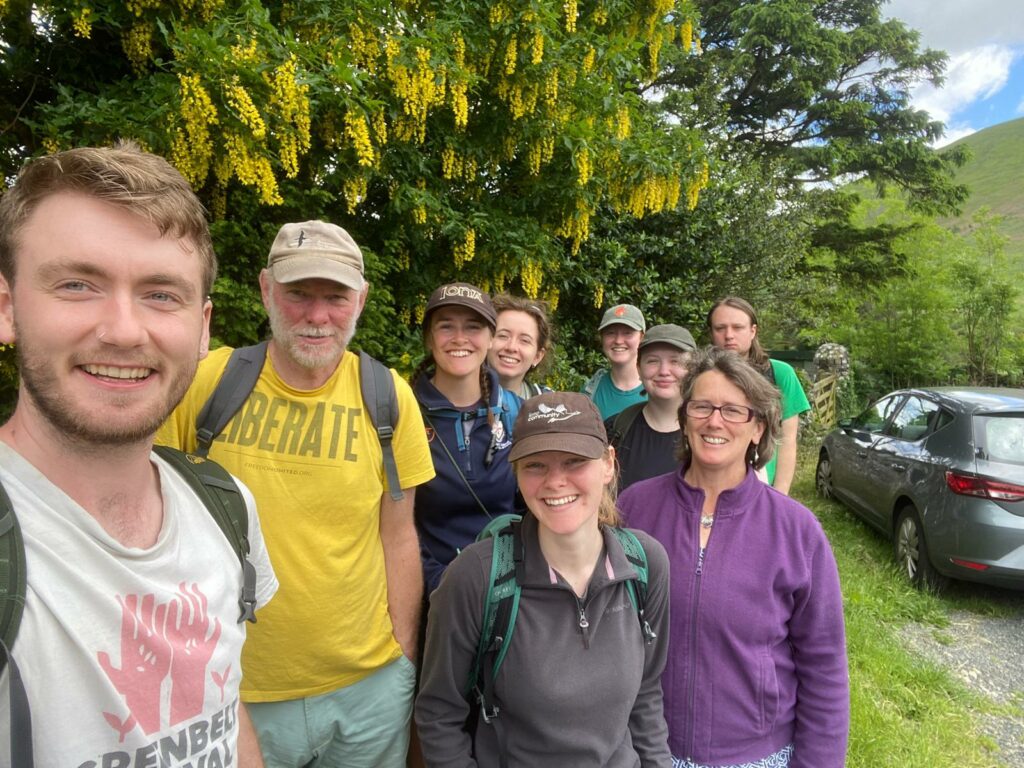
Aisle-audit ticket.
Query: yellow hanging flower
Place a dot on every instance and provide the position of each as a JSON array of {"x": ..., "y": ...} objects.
[
  {"x": 465, "y": 250},
  {"x": 583, "y": 166},
  {"x": 537, "y": 50},
  {"x": 358, "y": 132},
  {"x": 81, "y": 22},
  {"x": 241, "y": 102},
  {"x": 511, "y": 53},
  {"x": 531, "y": 277},
  {"x": 598, "y": 296},
  {"x": 571, "y": 12}
]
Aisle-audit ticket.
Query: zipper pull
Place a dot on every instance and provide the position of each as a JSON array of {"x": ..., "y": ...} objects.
[
  {"x": 700, "y": 561},
  {"x": 584, "y": 626}
]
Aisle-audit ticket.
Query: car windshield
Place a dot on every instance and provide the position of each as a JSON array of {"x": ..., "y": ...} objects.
[{"x": 1003, "y": 438}]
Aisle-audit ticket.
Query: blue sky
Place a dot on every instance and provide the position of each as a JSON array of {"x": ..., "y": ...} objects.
[{"x": 985, "y": 74}]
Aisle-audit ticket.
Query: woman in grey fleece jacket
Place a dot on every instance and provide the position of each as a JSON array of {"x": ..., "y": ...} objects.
[{"x": 580, "y": 684}]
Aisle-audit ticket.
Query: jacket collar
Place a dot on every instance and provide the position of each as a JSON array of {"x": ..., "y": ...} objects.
[
  {"x": 734, "y": 501},
  {"x": 432, "y": 401},
  {"x": 612, "y": 564}
]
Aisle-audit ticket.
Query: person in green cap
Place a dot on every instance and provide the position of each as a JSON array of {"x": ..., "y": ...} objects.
[{"x": 618, "y": 386}]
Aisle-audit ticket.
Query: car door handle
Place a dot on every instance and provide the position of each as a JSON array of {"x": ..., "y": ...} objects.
[{"x": 899, "y": 467}]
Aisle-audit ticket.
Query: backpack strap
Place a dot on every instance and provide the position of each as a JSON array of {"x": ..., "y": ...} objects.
[
  {"x": 636, "y": 588},
  {"x": 381, "y": 402},
  {"x": 235, "y": 385},
  {"x": 623, "y": 422},
  {"x": 500, "y": 611},
  {"x": 510, "y": 404},
  {"x": 591, "y": 386},
  {"x": 220, "y": 495},
  {"x": 12, "y": 604}
]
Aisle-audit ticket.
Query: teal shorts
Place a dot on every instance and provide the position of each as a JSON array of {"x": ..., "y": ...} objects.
[{"x": 364, "y": 725}]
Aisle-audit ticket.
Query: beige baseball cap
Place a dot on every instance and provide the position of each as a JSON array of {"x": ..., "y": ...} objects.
[{"x": 316, "y": 249}]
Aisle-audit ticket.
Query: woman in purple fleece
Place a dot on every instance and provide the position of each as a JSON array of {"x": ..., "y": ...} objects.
[{"x": 756, "y": 674}]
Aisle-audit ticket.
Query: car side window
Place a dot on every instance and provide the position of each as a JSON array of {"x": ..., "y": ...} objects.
[
  {"x": 911, "y": 423},
  {"x": 875, "y": 417}
]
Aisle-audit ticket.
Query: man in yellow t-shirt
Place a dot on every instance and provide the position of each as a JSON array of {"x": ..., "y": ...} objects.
[{"x": 328, "y": 671}]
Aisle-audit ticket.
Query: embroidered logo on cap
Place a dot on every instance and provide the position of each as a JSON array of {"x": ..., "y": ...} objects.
[
  {"x": 558, "y": 413},
  {"x": 464, "y": 291}
]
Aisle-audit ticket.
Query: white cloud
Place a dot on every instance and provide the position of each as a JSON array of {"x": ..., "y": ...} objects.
[
  {"x": 955, "y": 26},
  {"x": 971, "y": 76},
  {"x": 954, "y": 133},
  {"x": 1020, "y": 107}
]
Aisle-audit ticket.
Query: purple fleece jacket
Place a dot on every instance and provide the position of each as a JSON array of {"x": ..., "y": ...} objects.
[{"x": 757, "y": 652}]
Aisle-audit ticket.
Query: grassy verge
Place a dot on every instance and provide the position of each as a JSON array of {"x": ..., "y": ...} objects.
[{"x": 905, "y": 712}]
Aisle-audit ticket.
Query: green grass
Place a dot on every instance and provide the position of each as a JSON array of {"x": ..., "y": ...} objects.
[
  {"x": 905, "y": 711},
  {"x": 994, "y": 175}
]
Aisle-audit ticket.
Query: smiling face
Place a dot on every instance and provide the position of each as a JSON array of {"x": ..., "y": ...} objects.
[
  {"x": 311, "y": 321},
  {"x": 515, "y": 350},
  {"x": 109, "y": 319},
  {"x": 564, "y": 490},
  {"x": 459, "y": 339},
  {"x": 662, "y": 369},
  {"x": 717, "y": 444},
  {"x": 619, "y": 343},
  {"x": 732, "y": 329}
]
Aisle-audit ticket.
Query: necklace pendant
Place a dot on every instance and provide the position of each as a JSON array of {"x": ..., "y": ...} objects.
[{"x": 706, "y": 521}]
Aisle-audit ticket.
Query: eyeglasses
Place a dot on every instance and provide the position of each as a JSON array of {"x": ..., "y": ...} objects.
[{"x": 735, "y": 414}]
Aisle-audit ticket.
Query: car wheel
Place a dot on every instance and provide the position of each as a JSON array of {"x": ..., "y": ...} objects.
[
  {"x": 823, "y": 476},
  {"x": 912, "y": 552}
]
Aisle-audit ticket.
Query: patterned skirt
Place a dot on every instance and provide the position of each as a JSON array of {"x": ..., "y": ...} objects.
[{"x": 778, "y": 760}]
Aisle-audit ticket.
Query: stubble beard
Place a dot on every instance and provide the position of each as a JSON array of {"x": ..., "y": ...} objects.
[
  {"x": 311, "y": 359},
  {"x": 74, "y": 425}
]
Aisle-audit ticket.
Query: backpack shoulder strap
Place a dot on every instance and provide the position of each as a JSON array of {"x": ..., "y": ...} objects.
[
  {"x": 233, "y": 389},
  {"x": 591, "y": 386},
  {"x": 221, "y": 496},
  {"x": 12, "y": 572},
  {"x": 500, "y": 610},
  {"x": 510, "y": 405},
  {"x": 13, "y": 580},
  {"x": 637, "y": 588},
  {"x": 381, "y": 402},
  {"x": 623, "y": 422}
]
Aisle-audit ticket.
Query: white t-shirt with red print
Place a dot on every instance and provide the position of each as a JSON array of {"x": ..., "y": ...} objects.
[{"x": 130, "y": 657}]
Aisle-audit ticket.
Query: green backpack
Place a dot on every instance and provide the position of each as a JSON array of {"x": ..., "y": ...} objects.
[
  {"x": 502, "y": 605},
  {"x": 219, "y": 494}
]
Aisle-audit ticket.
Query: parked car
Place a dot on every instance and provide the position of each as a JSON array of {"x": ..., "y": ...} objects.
[{"x": 941, "y": 472}]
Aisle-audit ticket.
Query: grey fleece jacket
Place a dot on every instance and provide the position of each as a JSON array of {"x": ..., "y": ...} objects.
[{"x": 568, "y": 697}]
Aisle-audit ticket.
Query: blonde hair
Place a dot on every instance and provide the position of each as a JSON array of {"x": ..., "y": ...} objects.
[{"x": 123, "y": 176}]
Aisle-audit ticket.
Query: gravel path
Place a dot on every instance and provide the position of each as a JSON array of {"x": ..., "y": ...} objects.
[{"x": 987, "y": 655}]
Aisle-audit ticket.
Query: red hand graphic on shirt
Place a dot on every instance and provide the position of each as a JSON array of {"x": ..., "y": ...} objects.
[
  {"x": 145, "y": 659},
  {"x": 188, "y": 632}
]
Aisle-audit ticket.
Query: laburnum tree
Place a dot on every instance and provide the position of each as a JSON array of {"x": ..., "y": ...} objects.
[
  {"x": 455, "y": 140},
  {"x": 795, "y": 98}
]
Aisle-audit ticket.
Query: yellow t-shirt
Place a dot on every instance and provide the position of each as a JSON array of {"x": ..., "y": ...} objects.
[{"x": 313, "y": 462}]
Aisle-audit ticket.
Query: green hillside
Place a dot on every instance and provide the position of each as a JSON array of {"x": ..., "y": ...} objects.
[{"x": 995, "y": 176}]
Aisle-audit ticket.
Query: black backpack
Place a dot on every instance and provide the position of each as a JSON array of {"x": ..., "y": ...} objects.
[
  {"x": 239, "y": 379},
  {"x": 221, "y": 497}
]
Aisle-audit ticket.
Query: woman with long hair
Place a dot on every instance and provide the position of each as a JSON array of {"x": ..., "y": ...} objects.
[
  {"x": 467, "y": 416},
  {"x": 578, "y": 685},
  {"x": 522, "y": 340},
  {"x": 757, "y": 673}
]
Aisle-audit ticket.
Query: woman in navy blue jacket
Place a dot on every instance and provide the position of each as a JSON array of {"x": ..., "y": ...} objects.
[{"x": 468, "y": 419}]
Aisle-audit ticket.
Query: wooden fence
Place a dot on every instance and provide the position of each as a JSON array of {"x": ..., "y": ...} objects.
[{"x": 823, "y": 400}]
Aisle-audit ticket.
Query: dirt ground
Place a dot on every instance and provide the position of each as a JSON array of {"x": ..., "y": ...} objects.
[{"x": 987, "y": 655}]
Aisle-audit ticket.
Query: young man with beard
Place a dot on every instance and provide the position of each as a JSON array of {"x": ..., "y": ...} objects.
[
  {"x": 329, "y": 669},
  {"x": 130, "y": 637}
]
